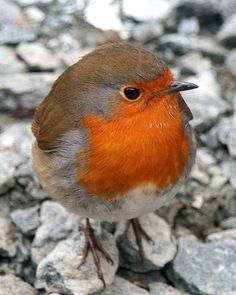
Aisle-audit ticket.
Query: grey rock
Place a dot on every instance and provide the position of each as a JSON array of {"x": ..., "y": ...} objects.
[
  {"x": 56, "y": 223},
  {"x": 34, "y": 14},
  {"x": 70, "y": 48},
  {"x": 194, "y": 63},
  {"x": 223, "y": 129},
  {"x": 198, "y": 201},
  {"x": 210, "y": 138},
  {"x": 27, "y": 178},
  {"x": 147, "y": 31},
  {"x": 156, "y": 255},
  {"x": 9, "y": 62},
  {"x": 227, "y": 8},
  {"x": 25, "y": 91},
  {"x": 227, "y": 33},
  {"x": 23, "y": 171},
  {"x": 37, "y": 56},
  {"x": 143, "y": 278},
  {"x": 15, "y": 27},
  {"x": 121, "y": 287},
  {"x": 206, "y": 97},
  {"x": 27, "y": 220},
  {"x": 38, "y": 253},
  {"x": 143, "y": 12},
  {"x": 33, "y": 2},
  {"x": 164, "y": 289},
  {"x": 231, "y": 140},
  {"x": 199, "y": 175},
  {"x": 207, "y": 12},
  {"x": 223, "y": 235},
  {"x": 22, "y": 252},
  {"x": 34, "y": 189},
  {"x": 17, "y": 138},
  {"x": 110, "y": 9},
  {"x": 18, "y": 198},
  {"x": 230, "y": 62},
  {"x": 215, "y": 170},
  {"x": 9, "y": 160},
  {"x": 7, "y": 241},
  {"x": 12, "y": 285},
  {"x": 205, "y": 159},
  {"x": 183, "y": 44},
  {"x": 218, "y": 181},
  {"x": 4, "y": 206},
  {"x": 181, "y": 231},
  {"x": 228, "y": 167},
  {"x": 228, "y": 223},
  {"x": 189, "y": 26},
  {"x": 205, "y": 269},
  {"x": 59, "y": 272}
]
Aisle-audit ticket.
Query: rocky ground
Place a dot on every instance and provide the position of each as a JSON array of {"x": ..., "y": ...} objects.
[{"x": 195, "y": 235}]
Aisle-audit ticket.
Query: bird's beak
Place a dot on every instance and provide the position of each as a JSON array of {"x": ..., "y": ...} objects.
[{"x": 177, "y": 86}]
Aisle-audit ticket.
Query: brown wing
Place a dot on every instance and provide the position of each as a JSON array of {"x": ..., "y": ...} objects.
[
  {"x": 184, "y": 108},
  {"x": 52, "y": 119}
]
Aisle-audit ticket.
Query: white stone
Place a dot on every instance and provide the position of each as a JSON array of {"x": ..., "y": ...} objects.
[
  {"x": 144, "y": 10},
  {"x": 36, "y": 55},
  {"x": 103, "y": 14},
  {"x": 8, "y": 245},
  {"x": 198, "y": 202},
  {"x": 9, "y": 62},
  {"x": 59, "y": 272},
  {"x": 189, "y": 26},
  {"x": 12, "y": 285},
  {"x": 34, "y": 14},
  {"x": 205, "y": 102},
  {"x": 157, "y": 254}
]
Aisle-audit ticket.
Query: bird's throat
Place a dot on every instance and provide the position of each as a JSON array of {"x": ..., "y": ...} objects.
[{"x": 151, "y": 147}]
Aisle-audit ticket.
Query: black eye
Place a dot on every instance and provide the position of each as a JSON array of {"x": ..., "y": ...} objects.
[{"x": 131, "y": 93}]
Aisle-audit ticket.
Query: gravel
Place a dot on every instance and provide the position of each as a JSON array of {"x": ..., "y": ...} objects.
[
  {"x": 10, "y": 284},
  {"x": 157, "y": 254},
  {"x": 164, "y": 289},
  {"x": 205, "y": 269},
  {"x": 40, "y": 242},
  {"x": 37, "y": 56},
  {"x": 228, "y": 223},
  {"x": 15, "y": 26},
  {"x": 27, "y": 220},
  {"x": 10, "y": 63},
  {"x": 7, "y": 241},
  {"x": 227, "y": 32},
  {"x": 21, "y": 93},
  {"x": 122, "y": 286},
  {"x": 56, "y": 223},
  {"x": 223, "y": 235},
  {"x": 59, "y": 272},
  {"x": 206, "y": 97}
]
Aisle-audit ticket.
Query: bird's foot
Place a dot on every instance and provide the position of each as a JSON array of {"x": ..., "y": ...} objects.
[
  {"x": 93, "y": 245},
  {"x": 139, "y": 234}
]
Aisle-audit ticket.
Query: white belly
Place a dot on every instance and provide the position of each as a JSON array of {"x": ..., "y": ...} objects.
[{"x": 135, "y": 203}]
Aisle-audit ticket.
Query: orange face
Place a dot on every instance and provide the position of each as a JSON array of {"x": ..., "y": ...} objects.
[
  {"x": 148, "y": 92},
  {"x": 143, "y": 142}
]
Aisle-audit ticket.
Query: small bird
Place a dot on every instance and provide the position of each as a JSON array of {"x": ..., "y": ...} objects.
[{"x": 113, "y": 140}]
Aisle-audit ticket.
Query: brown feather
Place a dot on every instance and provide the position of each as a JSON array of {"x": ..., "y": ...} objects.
[{"x": 184, "y": 107}]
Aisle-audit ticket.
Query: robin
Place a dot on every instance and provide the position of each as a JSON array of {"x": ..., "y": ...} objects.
[{"x": 113, "y": 140}]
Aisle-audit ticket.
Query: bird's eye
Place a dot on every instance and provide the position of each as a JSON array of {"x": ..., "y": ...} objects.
[{"x": 131, "y": 93}]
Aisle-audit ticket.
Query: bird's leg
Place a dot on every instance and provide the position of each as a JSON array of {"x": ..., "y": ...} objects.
[
  {"x": 139, "y": 234},
  {"x": 93, "y": 245}
]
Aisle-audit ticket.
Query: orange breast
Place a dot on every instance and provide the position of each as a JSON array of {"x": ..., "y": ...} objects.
[{"x": 149, "y": 147}]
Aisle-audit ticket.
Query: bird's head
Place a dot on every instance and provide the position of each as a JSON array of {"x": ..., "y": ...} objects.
[{"x": 119, "y": 80}]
